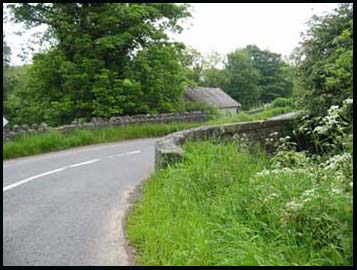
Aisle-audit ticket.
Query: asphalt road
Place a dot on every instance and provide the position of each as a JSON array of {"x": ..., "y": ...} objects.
[{"x": 66, "y": 208}]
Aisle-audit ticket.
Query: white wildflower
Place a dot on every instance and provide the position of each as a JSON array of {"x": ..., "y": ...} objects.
[
  {"x": 309, "y": 193},
  {"x": 336, "y": 190},
  {"x": 262, "y": 173},
  {"x": 348, "y": 101},
  {"x": 270, "y": 197},
  {"x": 293, "y": 206},
  {"x": 340, "y": 177},
  {"x": 336, "y": 161}
]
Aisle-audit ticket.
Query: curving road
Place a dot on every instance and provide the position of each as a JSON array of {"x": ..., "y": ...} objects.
[{"x": 66, "y": 208}]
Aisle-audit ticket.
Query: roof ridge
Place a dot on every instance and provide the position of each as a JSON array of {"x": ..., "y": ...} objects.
[{"x": 214, "y": 96}]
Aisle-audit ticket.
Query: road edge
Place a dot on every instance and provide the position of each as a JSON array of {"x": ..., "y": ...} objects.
[{"x": 134, "y": 196}]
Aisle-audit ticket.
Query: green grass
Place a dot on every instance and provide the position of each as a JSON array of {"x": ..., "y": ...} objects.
[
  {"x": 212, "y": 209},
  {"x": 42, "y": 143}
]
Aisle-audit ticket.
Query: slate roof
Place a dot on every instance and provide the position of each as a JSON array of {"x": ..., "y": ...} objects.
[{"x": 212, "y": 96}]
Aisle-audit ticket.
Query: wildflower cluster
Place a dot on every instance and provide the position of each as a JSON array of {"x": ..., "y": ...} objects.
[
  {"x": 243, "y": 143},
  {"x": 337, "y": 118},
  {"x": 313, "y": 190},
  {"x": 333, "y": 132}
]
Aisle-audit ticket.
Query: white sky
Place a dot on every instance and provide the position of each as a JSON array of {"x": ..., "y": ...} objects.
[{"x": 225, "y": 27}]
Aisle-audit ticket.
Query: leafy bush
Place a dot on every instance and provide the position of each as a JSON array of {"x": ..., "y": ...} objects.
[
  {"x": 325, "y": 60},
  {"x": 283, "y": 102},
  {"x": 331, "y": 133}
]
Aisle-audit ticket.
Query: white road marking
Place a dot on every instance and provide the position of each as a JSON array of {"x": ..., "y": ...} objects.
[
  {"x": 124, "y": 154},
  {"x": 84, "y": 163},
  {"x": 64, "y": 168}
]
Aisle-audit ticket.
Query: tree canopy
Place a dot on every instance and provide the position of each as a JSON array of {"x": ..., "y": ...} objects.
[
  {"x": 254, "y": 76},
  {"x": 101, "y": 59},
  {"x": 110, "y": 59},
  {"x": 273, "y": 81},
  {"x": 325, "y": 60},
  {"x": 242, "y": 78}
]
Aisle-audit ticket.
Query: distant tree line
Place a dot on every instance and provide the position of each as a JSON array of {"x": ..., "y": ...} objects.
[
  {"x": 250, "y": 75},
  {"x": 319, "y": 75}
]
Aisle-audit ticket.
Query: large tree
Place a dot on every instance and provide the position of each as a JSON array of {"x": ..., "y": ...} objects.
[
  {"x": 325, "y": 60},
  {"x": 274, "y": 80},
  {"x": 88, "y": 70},
  {"x": 252, "y": 76},
  {"x": 242, "y": 78}
]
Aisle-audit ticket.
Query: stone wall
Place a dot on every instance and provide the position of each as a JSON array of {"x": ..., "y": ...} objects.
[
  {"x": 168, "y": 149},
  {"x": 12, "y": 132}
]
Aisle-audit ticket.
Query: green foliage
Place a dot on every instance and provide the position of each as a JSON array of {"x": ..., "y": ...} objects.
[
  {"x": 214, "y": 77},
  {"x": 274, "y": 80},
  {"x": 242, "y": 79},
  {"x": 107, "y": 59},
  {"x": 283, "y": 102},
  {"x": 193, "y": 62},
  {"x": 334, "y": 131},
  {"x": 15, "y": 79},
  {"x": 202, "y": 70},
  {"x": 325, "y": 60},
  {"x": 331, "y": 133},
  {"x": 161, "y": 79},
  {"x": 221, "y": 206},
  {"x": 8, "y": 81},
  {"x": 255, "y": 76}
]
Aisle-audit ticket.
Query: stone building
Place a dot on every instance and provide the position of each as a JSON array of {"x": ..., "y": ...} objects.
[{"x": 215, "y": 97}]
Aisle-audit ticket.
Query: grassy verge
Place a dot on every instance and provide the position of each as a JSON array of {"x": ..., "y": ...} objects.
[
  {"x": 41, "y": 143},
  {"x": 221, "y": 207},
  {"x": 35, "y": 144}
]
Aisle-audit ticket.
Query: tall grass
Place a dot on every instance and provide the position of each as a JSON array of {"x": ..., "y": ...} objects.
[
  {"x": 41, "y": 143},
  {"x": 220, "y": 207}
]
